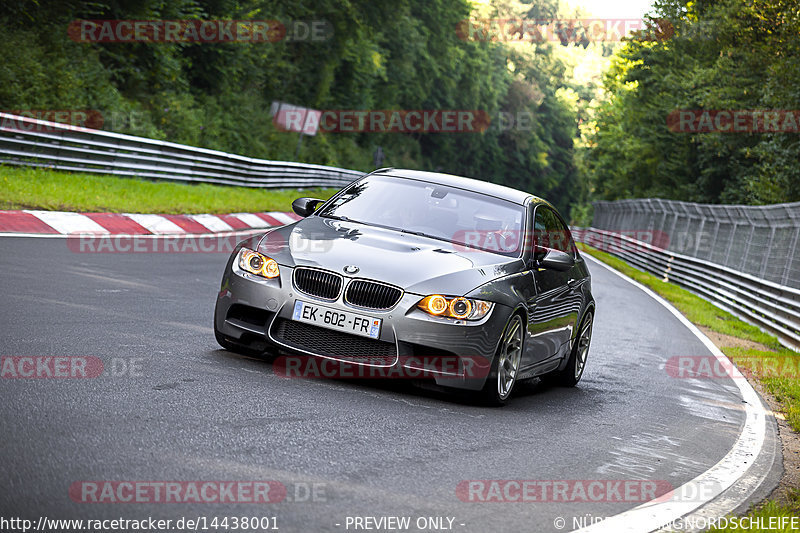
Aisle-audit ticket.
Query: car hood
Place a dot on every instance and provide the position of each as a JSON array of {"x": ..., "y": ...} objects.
[{"x": 418, "y": 264}]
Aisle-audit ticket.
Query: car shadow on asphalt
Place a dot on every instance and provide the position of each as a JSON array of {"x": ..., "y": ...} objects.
[{"x": 527, "y": 393}]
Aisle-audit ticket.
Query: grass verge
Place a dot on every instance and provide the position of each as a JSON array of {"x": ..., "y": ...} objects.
[
  {"x": 762, "y": 515},
  {"x": 51, "y": 190},
  {"x": 759, "y": 355}
]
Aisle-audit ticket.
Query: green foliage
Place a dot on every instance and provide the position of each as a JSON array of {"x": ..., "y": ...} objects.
[
  {"x": 727, "y": 55},
  {"x": 759, "y": 517},
  {"x": 398, "y": 54}
]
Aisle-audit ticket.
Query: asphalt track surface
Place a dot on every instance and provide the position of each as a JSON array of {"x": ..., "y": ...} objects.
[{"x": 172, "y": 405}]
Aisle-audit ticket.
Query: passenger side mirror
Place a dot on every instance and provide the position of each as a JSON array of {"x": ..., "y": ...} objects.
[
  {"x": 305, "y": 206},
  {"x": 557, "y": 260}
]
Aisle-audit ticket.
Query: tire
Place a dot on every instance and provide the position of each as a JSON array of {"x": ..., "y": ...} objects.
[
  {"x": 573, "y": 372},
  {"x": 505, "y": 367}
]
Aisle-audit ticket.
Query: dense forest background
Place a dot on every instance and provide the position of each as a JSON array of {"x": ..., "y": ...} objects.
[
  {"x": 591, "y": 136},
  {"x": 724, "y": 55}
]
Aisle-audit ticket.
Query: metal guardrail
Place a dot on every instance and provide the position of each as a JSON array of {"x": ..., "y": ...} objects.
[
  {"x": 768, "y": 305},
  {"x": 762, "y": 240},
  {"x": 31, "y": 142}
]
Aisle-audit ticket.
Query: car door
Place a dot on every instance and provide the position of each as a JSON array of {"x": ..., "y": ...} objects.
[{"x": 555, "y": 306}]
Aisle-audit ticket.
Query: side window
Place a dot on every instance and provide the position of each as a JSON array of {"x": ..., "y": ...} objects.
[
  {"x": 550, "y": 232},
  {"x": 539, "y": 226}
]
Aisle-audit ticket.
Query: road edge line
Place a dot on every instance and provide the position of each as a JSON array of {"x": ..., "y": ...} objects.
[{"x": 661, "y": 512}]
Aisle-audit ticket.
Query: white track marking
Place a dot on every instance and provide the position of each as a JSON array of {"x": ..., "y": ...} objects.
[
  {"x": 251, "y": 220},
  {"x": 212, "y": 223},
  {"x": 143, "y": 236},
  {"x": 67, "y": 223},
  {"x": 281, "y": 217},
  {"x": 155, "y": 223},
  {"x": 655, "y": 514},
  {"x": 72, "y": 223}
]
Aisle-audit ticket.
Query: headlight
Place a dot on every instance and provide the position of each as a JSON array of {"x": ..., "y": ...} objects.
[
  {"x": 258, "y": 264},
  {"x": 455, "y": 307}
]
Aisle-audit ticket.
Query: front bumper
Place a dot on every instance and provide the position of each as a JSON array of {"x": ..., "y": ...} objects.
[{"x": 256, "y": 312}]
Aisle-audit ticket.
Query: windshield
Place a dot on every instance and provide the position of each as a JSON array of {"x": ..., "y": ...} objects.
[{"x": 445, "y": 213}]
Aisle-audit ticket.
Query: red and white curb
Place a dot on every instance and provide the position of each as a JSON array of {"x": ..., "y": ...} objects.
[{"x": 64, "y": 224}]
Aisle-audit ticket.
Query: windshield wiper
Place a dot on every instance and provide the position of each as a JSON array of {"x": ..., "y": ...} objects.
[
  {"x": 410, "y": 232},
  {"x": 418, "y": 233},
  {"x": 336, "y": 217},
  {"x": 344, "y": 219}
]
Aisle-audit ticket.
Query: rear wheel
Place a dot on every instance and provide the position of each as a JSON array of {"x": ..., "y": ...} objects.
[
  {"x": 505, "y": 366},
  {"x": 572, "y": 373}
]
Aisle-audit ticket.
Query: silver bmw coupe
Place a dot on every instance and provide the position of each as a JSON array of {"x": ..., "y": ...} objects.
[{"x": 407, "y": 273}]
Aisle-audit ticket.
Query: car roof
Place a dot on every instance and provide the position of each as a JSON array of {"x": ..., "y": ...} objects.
[{"x": 479, "y": 186}]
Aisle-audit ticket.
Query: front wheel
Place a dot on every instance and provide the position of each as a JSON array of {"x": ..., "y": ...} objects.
[
  {"x": 505, "y": 366},
  {"x": 572, "y": 373}
]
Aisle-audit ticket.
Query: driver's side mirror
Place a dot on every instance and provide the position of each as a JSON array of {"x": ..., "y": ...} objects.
[
  {"x": 556, "y": 260},
  {"x": 305, "y": 206}
]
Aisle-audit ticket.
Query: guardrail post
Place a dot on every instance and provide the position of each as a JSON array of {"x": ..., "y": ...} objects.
[
  {"x": 792, "y": 256},
  {"x": 731, "y": 240},
  {"x": 663, "y": 221},
  {"x": 699, "y": 234},
  {"x": 713, "y": 239},
  {"x": 765, "y": 260},
  {"x": 746, "y": 251},
  {"x": 672, "y": 227}
]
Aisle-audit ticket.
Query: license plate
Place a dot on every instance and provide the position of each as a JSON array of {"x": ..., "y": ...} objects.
[{"x": 346, "y": 321}]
